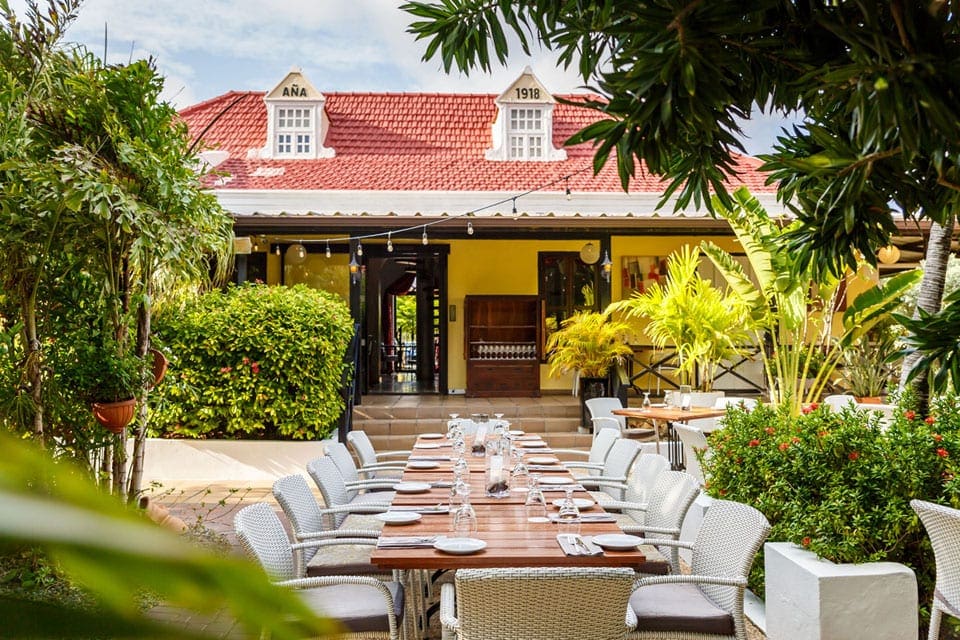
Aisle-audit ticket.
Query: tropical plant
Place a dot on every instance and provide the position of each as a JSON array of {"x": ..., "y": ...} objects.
[
  {"x": 838, "y": 483},
  {"x": 868, "y": 365},
  {"x": 791, "y": 306},
  {"x": 100, "y": 373},
  {"x": 230, "y": 377},
  {"x": 876, "y": 85},
  {"x": 934, "y": 339},
  {"x": 116, "y": 554},
  {"x": 589, "y": 343},
  {"x": 704, "y": 325}
]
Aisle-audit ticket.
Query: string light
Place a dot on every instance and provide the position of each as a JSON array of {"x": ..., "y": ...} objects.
[
  {"x": 514, "y": 208},
  {"x": 354, "y": 269},
  {"x": 277, "y": 250},
  {"x": 359, "y": 248},
  {"x": 389, "y": 243},
  {"x": 567, "y": 188},
  {"x": 469, "y": 228},
  {"x": 424, "y": 239},
  {"x": 328, "y": 248}
]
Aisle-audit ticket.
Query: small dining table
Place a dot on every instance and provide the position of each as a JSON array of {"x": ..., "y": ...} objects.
[{"x": 670, "y": 415}]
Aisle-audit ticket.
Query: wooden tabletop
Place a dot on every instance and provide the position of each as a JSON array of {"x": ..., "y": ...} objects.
[
  {"x": 511, "y": 540},
  {"x": 671, "y": 414}
]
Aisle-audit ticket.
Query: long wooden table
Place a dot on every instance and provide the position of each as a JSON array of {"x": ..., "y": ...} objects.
[
  {"x": 671, "y": 415},
  {"x": 511, "y": 540}
]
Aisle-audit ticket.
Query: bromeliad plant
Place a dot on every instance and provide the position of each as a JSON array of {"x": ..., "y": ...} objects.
[
  {"x": 793, "y": 304},
  {"x": 836, "y": 482}
]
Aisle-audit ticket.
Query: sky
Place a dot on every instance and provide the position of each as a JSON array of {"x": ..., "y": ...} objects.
[{"x": 205, "y": 48}]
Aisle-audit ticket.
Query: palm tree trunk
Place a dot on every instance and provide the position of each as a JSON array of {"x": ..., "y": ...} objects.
[{"x": 931, "y": 296}]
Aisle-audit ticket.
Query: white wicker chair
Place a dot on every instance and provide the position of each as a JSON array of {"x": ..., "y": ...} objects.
[
  {"x": 616, "y": 468},
  {"x": 602, "y": 441},
  {"x": 602, "y": 417},
  {"x": 325, "y": 474},
  {"x": 943, "y": 527},
  {"x": 661, "y": 515},
  {"x": 306, "y": 518},
  {"x": 341, "y": 457},
  {"x": 365, "y": 606},
  {"x": 693, "y": 440},
  {"x": 552, "y": 603},
  {"x": 708, "y": 603},
  {"x": 369, "y": 459}
]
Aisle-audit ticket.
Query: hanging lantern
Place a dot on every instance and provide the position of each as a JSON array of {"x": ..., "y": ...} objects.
[
  {"x": 296, "y": 254},
  {"x": 889, "y": 254},
  {"x": 354, "y": 269},
  {"x": 606, "y": 266}
]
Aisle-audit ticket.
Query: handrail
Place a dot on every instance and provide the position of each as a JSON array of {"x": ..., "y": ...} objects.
[{"x": 657, "y": 368}]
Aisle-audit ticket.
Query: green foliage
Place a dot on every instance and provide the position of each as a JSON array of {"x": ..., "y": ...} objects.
[
  {"x": 99, "y": 372},
  {"x": 869, "y": 365},
  {"x": 116, "y": 554},
  {"x": 255, "y": 360},
  {"x": 937, "y": 338},
  {"x": 838, "y": 483},
  {"x": 588, "y": 342},
  {"x": 705, "y": 325}
]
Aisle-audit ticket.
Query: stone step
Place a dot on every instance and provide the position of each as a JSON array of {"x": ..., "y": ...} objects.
[
  {"x": 441, "y": 412},
  {"x": 559, "y": 440}
]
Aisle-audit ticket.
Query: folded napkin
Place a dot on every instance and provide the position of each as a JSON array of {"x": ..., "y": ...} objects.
[
  {"x": 406, "y": 542},
  {"x": 422, "y": 509},
  {"x": 546, "y": 467},
  {"x": 589, "y": 517},
  {"x": 431, "y": 458},
  {"x": 574, "y": 545}
]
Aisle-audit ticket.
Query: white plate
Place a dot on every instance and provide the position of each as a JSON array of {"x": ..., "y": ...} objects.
[
  {"x": 432, "y": 436},
  {"x": 532, "y": 444},
  {"x": 411, "y": 487},
  {"x": 617, "y": 541},
  {"x": 582, "y": 503},
  {"x": 543, "y": 460},
  {"x": 398, "y": 517},
  {"x": 427, "y": 445},
  {"x": 459, "y": 546},
  {"x": 422, "y": 464},
  {"x": 555, "y": 480},
  {"x": 516, "y": 432}
]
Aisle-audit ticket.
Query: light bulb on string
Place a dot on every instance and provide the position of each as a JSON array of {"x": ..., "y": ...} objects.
[
  {"x": 566, "y": 189},
  {"x": 469, "y": 228},
  {"x": 389, "y": 243},
  {"x": 328, "y": 248},
  {"x": 359, "y": 248},
  {"x": 514, "y": 208},
  {"x": 424, "y": 239},
  {"x": 276, "y": 250}
]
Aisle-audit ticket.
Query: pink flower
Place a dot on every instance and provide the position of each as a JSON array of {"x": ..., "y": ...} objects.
[
  {"x": 226, "y": 369},
  {"x": 246, "y": 360}
]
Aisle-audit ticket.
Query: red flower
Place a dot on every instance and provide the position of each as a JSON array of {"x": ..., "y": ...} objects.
[
  {"x": 824, "y": 433},
  {"x": 770, "y": 430},
  {"x": 722, "y": 492},
  {"x": 806, "y": 410},
  {"x": 246, "y": 360},
  {"x": 929, "y": 419},
  {"x": 226, "y": 369},
  {"x": 909, "y": 415},
  {"x": 943, "y": 453},
  {"x": 784, "y": 446},
  {"x": 814, "y": 405},
  {"x": 255, "y": 367},
  {"x": 853, "y": 455},
  {"x": 795, "y": 440},
  {"x": 754, "y": 443},
  {"x": 806, "y": 541},
  {"x": 937, "y": 437}
]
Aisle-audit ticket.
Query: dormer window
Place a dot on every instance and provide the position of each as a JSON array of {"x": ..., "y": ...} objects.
[
  {"x": 523, "y": 129},
  {"x": 296, "y": 121}
]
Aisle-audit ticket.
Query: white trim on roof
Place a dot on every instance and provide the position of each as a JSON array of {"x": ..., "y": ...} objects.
[{"x": 439, "y": 203}]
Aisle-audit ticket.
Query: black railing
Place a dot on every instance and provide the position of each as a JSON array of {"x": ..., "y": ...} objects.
[
  {"x": 348, "y": 384},
  {"x": 653, "y": 371}
]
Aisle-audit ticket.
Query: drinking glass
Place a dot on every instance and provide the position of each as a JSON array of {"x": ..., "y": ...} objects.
[
  {"x": 519, "y": 475},
  {"x": 465, "y": 521},
  {"x": 461, "y": 467},
  {"x": 646, "y": 400},
  {"x": 568, "y": 518},
  {"x": 535, "y": 505}
]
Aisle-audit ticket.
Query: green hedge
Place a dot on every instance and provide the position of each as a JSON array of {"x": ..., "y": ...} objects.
[
  {"x": 253, "y": 359},
  {"x": 838, "y": 483}
]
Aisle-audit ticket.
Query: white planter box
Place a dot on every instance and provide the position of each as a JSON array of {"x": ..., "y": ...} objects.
[{"x": 808, "y": 598}]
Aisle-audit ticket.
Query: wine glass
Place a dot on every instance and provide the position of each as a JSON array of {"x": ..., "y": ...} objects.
[
  {"x": 519, "y": 475},
  {"x": 465, "y": 523},
  {"x": 568, "y": 518},
  {"x": 646, "y": 400},
  {"x": 535, "y": 505}
]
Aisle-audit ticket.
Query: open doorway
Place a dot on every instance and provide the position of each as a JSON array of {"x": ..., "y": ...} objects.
[{"x": 405, "y": 321}]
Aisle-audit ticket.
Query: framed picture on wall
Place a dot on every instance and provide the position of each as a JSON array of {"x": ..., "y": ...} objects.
[{"x": 638, "y": 273}]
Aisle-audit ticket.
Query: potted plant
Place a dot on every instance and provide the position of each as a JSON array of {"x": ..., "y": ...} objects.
[
  {"x": 704, "y": 325},
  {"x": 589, "y": 343},
  {"x": 865, "y": 371}
]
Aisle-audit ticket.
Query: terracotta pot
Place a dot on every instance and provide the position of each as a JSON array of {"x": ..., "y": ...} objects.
[
  {"x": 160, "y": 364},
  {"x": 870, "y": 399},
  {"x": 114, "y": 416}
]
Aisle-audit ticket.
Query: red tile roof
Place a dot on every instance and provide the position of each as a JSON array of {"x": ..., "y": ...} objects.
[{"x": 409, "y": 142}]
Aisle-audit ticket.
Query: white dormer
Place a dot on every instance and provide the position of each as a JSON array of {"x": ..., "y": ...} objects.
[
  {"x": 297, "y": 123},
  {"x": 523, "y": 129}
]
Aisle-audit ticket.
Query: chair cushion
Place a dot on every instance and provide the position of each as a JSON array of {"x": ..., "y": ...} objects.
[
  {"x": 357, "y": 607},
  {"x": 679, "y": 607}
]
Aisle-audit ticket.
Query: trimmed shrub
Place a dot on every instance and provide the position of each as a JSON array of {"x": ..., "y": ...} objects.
[
  {"x": 253, "y": 359},
  {"x": 838, "y": 483}
]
